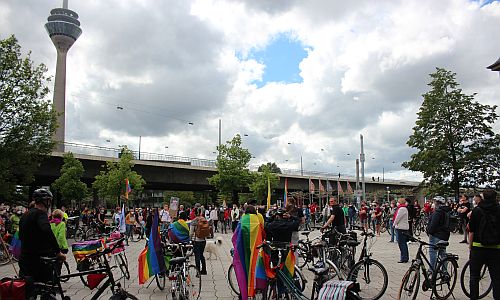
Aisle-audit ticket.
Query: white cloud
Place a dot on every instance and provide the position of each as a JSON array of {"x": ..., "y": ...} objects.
[{"x": 170, "y": 62}]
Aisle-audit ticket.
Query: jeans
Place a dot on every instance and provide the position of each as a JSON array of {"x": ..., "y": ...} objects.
[
  {"x": 392, "y": 229},
  {"x": 198, "y": 249},
  {"x": 434, "y": 251},
  {"x": 402, "y": 243},
  {"x": 352, "y": 219},
  {"x": 478, "y": 258},
  {"x": 130, "y": 231}
]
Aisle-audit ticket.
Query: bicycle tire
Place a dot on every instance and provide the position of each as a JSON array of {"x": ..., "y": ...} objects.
[
  {"x": 302, "y": 254},
  {"x": 90, "y": 234},
  {"x": 354, "y": 275},
  {"x": 65, "y": 271},
  {"x": 193, "y": 283},
  {"x": 482, "y": 279},
  {"x": 299, "y": 279},
  {"x": 123, "y": 295},
  {"x": 417, "y": 229},
  {"x": 161, "y": 279},
  {"x": 231, "y": 277},
  {"x": 79, "y": 235},
  {"x": 333, "y": 271},
  {"x": 122, "y": 263},
  {"x": 411, "y": 277},
  {"x": 444, "y": 278}
]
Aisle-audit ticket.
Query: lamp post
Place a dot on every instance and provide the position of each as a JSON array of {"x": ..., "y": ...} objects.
[
  {"x": 388, "y": 192},
  {"x": 301, "y": 166}
]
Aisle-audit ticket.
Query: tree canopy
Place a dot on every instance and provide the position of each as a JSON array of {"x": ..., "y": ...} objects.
[
  {"x": 69, "y": 184},
  {"x": 259, "y": 186},
  {"x": 271, "y": 166},
  {"x": 110, "y": 184},
  {"x": 27, "y": 121},
  {"x": 232, "y": 168},
  {"x": 452, "y": 134}
]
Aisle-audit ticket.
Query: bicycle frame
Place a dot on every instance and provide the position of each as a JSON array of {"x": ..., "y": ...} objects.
[{"x": 421, "y": 261}]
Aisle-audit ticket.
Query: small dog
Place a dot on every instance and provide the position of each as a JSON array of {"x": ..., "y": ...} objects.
[{"x": 212, "y": 247}]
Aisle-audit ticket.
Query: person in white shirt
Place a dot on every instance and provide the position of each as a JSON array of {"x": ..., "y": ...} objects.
[
  {"x": 207, "y": 213},
  {"x": 235, "y": 217},
  {"x": 214, "y": 216},
  {"x": 165, "y": 217},
  {"x": 402, "y": 225}
]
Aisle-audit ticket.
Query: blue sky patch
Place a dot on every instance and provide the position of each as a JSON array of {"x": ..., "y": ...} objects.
[
  {"x": 485, "y": 2},
  {"x": 281, "y": 58}
]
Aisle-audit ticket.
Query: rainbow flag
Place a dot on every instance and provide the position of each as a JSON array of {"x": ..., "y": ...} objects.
[
  {"x": 248, "y": 235},
  {"x": 289, "y": 267},
  {"x": 285, "y": 197},
  {"x": 128, "y": 189},
  {"x": 151, "y": 261},
  {"x": 178, "y": 232},
  {"x": 15, "y": 247},
  {"x": 82, "y": 249}
]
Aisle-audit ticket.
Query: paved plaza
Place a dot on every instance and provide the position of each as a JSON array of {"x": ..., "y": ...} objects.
[{"x": 215, "y": 284}]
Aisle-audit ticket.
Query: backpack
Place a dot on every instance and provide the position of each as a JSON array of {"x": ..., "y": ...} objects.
[
  {"x": 203, "y": 228},
  {"x": 489, "y": 227}
]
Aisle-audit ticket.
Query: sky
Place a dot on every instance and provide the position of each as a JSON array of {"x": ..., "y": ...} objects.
[{"x": 294, "y": 78}]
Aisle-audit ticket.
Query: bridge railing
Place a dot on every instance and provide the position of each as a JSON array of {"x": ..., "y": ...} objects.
[{"x": 209, "y": 163}]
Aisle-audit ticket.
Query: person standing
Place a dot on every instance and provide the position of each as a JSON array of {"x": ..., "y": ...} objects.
[
  {"x": 402, "y": 225},
  {"x": 363, "y": 215},
  {"x": 351, "y": 213},
  {"x": 463, "y": 210},
  {"x": 165, "y": 217},
  {"x": 437, "y": 228},
  {"x": 199, "y": 241},
  {"x": 484, "y": 237},
  {"x": 336, "y": 219},
  {"x": 130, "y": 221},
  {"x": 411, "y": 215},
  {"x": 214, "y": 216},
  {"x": 377, "y": 217},
  {"x": 37, "y": 239},
  {"x": 235, "y": 217}
]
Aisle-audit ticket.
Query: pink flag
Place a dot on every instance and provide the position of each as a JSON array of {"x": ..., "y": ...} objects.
[
  {"x": 311, "y": 186},
  {"x": 349, "y": 188},
  {"x": 321, "y": 187},
  {"x": 339, "y": 187}
]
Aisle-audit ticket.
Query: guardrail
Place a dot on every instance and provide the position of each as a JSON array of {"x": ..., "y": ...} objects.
[{"x": 209, "y": 163}]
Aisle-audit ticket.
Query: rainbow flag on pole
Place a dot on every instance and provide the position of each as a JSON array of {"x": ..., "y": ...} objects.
[
  {"x": 268, "y": 193},
  {"x": 151, "y": 261},
  {"x": 248, "y": 235},
  {"x": 128, "y": 189},
  {"x": 285, "y": 196}
]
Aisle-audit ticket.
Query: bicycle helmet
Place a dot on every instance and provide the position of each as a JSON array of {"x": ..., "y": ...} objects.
[
  {"x": 42, "y": 196},
  {"x": 439, "y": 199}
]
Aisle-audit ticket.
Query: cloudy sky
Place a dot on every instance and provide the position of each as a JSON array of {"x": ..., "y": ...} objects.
[{"x": 293, "y": 76}]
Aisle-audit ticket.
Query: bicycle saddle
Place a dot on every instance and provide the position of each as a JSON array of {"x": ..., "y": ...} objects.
[
  {"x": 177, "y": 260},
  {"x": 442, "y": 244},
  {"x": 319, "y": 271},
  {"x": 306, "y": 233},
  {"x": 48, "y": 259}
]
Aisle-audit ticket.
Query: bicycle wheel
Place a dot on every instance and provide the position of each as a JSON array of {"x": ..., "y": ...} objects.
[
  {"x": 333, "y": 271},
  {"x": 233, "y": 283},
  {"x": 90, "y": 234},
  {"x": 64, "y": 271},
  {"x": 79, "y": 235},
  {"x": 160, "y": 280},
  {"x": 444, "y": 278},
  {"x": 192, "y": 283},
  {"x": 372, "y": 278},
  {"x": 410, "y": 284},
  {"x": 298, "y": 279},
  {"x": 301, "y": 254},
  {"x": 485, "y": 285},
  {"x": 417, "y": 229},
  {"x": 121, "y": 262}
]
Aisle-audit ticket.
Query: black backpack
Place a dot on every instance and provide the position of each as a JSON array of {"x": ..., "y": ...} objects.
[{"x": 489, "y": 227}]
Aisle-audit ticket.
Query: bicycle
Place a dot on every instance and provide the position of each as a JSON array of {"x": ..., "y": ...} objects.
[
  {"x": 443, "y": 276},
  {"x": 6, "y": 255},
  {"x": 281, "y": 286},
  {"x": 367, "y": 271},
  {"x": 343, "y": 251},
  {"x": 53, "y": 287},
  {"x": 298, "y": 278},
  {"x": 485, "y": 284},
  {"x": 185, "y": 278}
]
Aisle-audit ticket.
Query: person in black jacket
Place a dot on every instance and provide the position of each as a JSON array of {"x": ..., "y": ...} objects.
[
  {"x": 37, "y": 240},
  {"x": 481, "y": 254},
  {"x": 280, "y": 228},
  {"x": 437, "y": 228}
]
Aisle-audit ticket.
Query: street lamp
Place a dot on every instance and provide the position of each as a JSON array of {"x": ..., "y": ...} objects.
[
  {"x": 301, "y": 167},
  {"x": 388, "y": 192}
]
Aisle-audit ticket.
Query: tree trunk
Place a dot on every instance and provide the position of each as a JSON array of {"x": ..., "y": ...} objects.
[{"x": 234, "y": 197}]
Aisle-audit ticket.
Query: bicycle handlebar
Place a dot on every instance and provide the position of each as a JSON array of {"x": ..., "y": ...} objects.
[{"x": 276, "y": 245}]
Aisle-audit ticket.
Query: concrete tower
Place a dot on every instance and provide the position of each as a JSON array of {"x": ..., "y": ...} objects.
[{"x": 64, "y": 29}]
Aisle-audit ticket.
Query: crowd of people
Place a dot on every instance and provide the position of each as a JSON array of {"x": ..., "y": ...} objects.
[{"x": 43, "y": 233}]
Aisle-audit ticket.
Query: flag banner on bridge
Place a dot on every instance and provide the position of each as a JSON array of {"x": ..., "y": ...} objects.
[
  {"x": 321, "y": 187},
  {"x": 339, "y": 188},
  {"x": 328, "y": 186},
  {"x": 349, "y": 188},
  {"x": 311, "y": 186}
]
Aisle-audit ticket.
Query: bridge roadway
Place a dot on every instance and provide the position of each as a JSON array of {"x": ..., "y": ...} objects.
[
  {"x": 215, "y": 284},
  {"x": 193, "y": 175}
]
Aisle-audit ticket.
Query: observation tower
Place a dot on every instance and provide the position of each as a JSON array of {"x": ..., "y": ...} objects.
[{"x": 64, "y": 29}]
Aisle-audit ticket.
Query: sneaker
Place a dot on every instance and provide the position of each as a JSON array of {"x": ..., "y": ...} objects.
[{"x": 463, "y": 242}]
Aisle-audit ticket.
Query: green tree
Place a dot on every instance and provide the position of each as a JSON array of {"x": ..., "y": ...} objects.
[
  {"x": 110, "y": 184},
  {"x": 69, "y": 184},
  {"x": 27, "y": 122},
  {"x": 259, "y": 186},
  {"x": 271, "y": 166},
  {"x": 232, "y": 168},
  {"x": 449, "y": 127}
]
